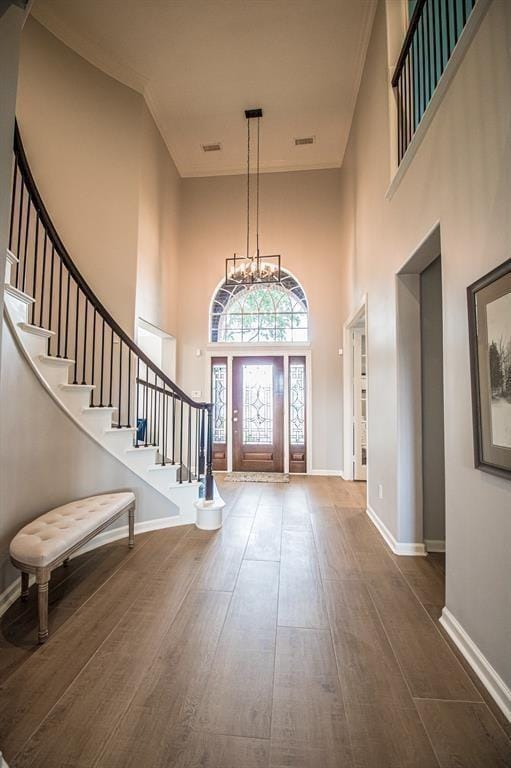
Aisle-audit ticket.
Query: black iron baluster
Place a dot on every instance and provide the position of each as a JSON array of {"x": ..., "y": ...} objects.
[
  {"x": 166, "y": 422},
  {"x": 25, "y": 249},
  {"x": 201, "y": 447},
  {"x": 173, "y": 428},
  {"x": 20, "y": 226},
  {"x": 153, "y": 411},
  {"x": 75, "y": 379},
  {"x": 102, "y": 378},
  {"x": 189, "y": 443},
  {"x": 110, "y": 404},
  {"x": 447, "y": 31},
  {"x": 13, "y": 201},
  {"x": 34, "y": 279},
  {"x": 84, "y": 365},
  {"x": 427, "y": 61},
  {"x": 399, "y": 119},
  {"x": 146, "y": 405},
  {"x": 50, "y": 309},
  {"x": 409, "y": 109},
  {"x": 420, "y": 32},
  {"x": 435, "y": 51},
  {"x": 43, "y": 280},
  {"x": 68, "y": 299},
  {"x": 197, "y": 443},
  {"x": 59, "y": 316},
  {"x": 209, "y": 456},
  {"x": 181, "y": 440},
  {"x": 137, "y": 412},
  {"x": 119, "y": 411},
  {"x": 455, "y": 20},
  {"x": 93, "y": 366},
  {"x": 464, "y": 11},
  {"x": 129, "y": 387}
]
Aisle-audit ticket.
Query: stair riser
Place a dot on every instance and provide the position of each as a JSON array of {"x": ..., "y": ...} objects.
[
  {"x": 18, "y": 310},
  {"x": 74, "y": 401},
  {"x": 35, "y": 345},
  {"x": 97, "y": 421},
  {"x": 184, "y": 496},
  {"x": 139, "y": 461},
  {"x": 118, "y": 442},
  {"x": 54, "y": 374},
  {"x": 162, "y": 479}
]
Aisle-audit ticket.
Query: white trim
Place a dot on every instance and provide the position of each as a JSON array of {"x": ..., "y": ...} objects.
[
  {"x": 230, "y": 351},
  {"x": 489, "y": 677},
  {"x": 434, "y": 545},
  {"x": 325, "y": 472},
  {"x": 12, "y": 592},
  {"x": 347, "y": 374},
  {"x": 457, "y": 55},
  {"x": 407, "y": 549}
]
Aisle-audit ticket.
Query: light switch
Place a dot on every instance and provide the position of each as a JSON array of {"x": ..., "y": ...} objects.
[{"x": 196, "y": 393}]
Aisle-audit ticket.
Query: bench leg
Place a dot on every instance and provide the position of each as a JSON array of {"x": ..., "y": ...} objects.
[
  {"x": 42, "y": 578},
  {"x": 131, "y": 527},
  {"x": 24, "y": 586}
]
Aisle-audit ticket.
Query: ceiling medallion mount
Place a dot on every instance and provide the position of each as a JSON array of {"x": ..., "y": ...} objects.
[{"x": 252, "y": 268}]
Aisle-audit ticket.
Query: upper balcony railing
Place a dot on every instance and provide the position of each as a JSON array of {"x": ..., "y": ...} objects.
[{"x": 435, "y": 28}]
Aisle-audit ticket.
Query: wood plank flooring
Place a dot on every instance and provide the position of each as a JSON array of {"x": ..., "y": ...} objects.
[{"x": 291, "y": 638}]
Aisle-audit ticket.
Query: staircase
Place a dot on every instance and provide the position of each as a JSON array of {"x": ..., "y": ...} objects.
[{"x": 95, "y": 371}]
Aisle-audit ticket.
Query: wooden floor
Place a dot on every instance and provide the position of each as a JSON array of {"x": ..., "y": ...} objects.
[{"x": 292, "y": 638}]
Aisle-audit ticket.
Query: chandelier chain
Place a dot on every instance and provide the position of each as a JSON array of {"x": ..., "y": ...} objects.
[
  {"x": 248, "y": 189},
  {"x": 257, "y": 192}
]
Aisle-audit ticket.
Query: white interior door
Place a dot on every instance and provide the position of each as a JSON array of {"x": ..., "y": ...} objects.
[{"x": 359, "y": 405}]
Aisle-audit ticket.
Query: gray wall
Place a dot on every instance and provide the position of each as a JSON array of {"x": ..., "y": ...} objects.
[
  {"x": 433, "y": 460},
  {"x": 11, "y": 23},
  {"x": 47, "y": 460}
]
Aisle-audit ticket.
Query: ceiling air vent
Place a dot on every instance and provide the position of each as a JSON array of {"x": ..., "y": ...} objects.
[
  {"x": 305, "y": 140},
  {"x": 216, "y": 147}
]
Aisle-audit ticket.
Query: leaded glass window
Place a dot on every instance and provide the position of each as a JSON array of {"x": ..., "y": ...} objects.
[
  {"x": 297, "y": 403},
  {"x": 260, "y": 312},
  {"x": 219, "y": 392}
]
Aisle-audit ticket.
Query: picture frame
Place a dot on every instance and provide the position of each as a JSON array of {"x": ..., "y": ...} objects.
[{"x": 489, "y": 318}]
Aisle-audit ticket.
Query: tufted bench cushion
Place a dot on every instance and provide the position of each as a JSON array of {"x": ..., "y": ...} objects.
[
  {"x": 51, "y": 539},
  {"x": 42, "y": 541}
]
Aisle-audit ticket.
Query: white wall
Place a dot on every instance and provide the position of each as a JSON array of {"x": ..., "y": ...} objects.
[
  {"x": 459, "y": 177},
  {"x": 299, "y": 220}
]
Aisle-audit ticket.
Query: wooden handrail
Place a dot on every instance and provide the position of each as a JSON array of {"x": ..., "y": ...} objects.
[
  {"x": 80, "y": 280},
  {"x": 412, "y": 28}
]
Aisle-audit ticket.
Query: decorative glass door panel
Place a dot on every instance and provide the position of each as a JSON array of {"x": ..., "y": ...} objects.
[
  {"x": 258, "y": 414},
  {"x": 297, "y": 400},
  {"x": 219, "y": 400}
]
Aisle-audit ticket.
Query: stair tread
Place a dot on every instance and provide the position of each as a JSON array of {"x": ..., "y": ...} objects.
[
  {"x": 11, "y": 257},
  {"x": 142, "y": 448},
  {"x": 121, "y": 429},
  {"x": 74, "y": 387},
  {"x": 57, "y": 360},
  {"x": 159, "y": 467},
  {"x": 8, "y": 288},
  {"x": 36, "y": 329},
  {"x": 98, "y": 408}
]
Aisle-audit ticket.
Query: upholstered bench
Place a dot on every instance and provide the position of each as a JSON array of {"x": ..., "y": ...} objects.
[{"x": 51, "y": 539}]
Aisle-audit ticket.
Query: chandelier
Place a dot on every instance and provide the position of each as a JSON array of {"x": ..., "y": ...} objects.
[{"x": 252, "y": 267}]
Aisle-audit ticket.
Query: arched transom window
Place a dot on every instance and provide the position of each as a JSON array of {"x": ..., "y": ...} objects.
[{"x": 260, "y": 312}]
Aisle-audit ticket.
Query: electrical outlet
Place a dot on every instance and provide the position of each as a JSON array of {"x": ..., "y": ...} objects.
[
  {"x": 196, "y": 393},
  {"x": 380, "y": 491}
]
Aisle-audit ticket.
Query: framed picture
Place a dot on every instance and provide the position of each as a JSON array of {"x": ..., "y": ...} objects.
[{"x": 489, "y": 316}]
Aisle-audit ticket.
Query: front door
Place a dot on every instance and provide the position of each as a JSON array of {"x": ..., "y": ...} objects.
[{"x": 258, "y": 414}]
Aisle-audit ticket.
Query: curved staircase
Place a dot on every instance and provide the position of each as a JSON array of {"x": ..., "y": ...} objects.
[{"x": 92, "y": 368}]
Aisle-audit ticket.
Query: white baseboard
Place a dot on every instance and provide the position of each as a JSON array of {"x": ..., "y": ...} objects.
[
  {"x": 12, "y": 592},
  {"x": 489, "y": 677},
  {"x": 398, "y": 547},
  {"x": 326, "y": 472},
  {"x": 434, "y": 545}
]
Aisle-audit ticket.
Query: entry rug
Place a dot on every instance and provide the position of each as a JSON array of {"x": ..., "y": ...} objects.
[{"x": 256, "y": 477}]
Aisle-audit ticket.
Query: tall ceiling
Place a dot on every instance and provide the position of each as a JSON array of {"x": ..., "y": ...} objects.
[{"x": 200, "y": 63}]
